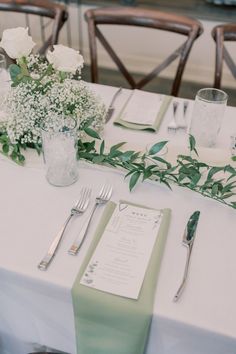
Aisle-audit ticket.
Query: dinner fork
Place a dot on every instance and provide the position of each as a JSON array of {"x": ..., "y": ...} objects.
[
  {"x": 103, "y": 197},
  {"x": 79, "y": 208},
  {"x": 173, "y": 126}
]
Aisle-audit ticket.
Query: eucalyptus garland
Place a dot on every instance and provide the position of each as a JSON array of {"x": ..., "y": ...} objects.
[{"x": 188, "y": 172}]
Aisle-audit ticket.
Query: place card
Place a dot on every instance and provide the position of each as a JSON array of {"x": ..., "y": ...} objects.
[
  {"x": 120, "y": 260},
  {"x": 142, "y": 108}
]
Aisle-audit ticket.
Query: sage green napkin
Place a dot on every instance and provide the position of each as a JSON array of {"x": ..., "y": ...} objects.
[
  {"x": 110, "y": 324},
  {"x": 136, "y": 126}
]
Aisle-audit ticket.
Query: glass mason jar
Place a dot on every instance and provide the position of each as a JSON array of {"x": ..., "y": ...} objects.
[
  {"x": 208, "y": 113},
  {"x": 59, "y": 140}
]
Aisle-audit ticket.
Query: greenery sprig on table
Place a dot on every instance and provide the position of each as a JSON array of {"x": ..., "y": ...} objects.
[{"x": 188, "y": 172}]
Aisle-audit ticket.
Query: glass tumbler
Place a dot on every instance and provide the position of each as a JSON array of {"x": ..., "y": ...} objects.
[
  {"x": 207, "y": 116},
  {"x": 3, "y": 62},
  {"x": 59, "y": 141}
]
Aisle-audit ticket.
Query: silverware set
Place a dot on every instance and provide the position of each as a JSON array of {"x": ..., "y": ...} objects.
[
  {"x": 102, "y": 198},
  {"x": 178, "y": 121},
  {"x": 78, "y": 209}
]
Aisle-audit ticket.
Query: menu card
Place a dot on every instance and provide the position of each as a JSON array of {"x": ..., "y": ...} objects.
[
  {"x": 120, "y": 260},
  {"x": 142, "y": 108}
]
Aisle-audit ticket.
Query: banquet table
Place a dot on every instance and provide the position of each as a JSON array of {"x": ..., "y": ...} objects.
[{"x": 36, "y": 307}]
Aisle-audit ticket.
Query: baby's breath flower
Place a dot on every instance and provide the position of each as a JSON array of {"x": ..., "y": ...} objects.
[{"x": 46, "y": 96}]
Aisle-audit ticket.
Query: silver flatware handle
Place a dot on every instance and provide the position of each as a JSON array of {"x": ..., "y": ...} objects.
[
  {"x": 115, "y": 96},
  {"x": 81, "y": 237},
  {"x": 43, "y": 265},
  {"x": 110, "y": 109},
  {"x": 183, "y": 283}
]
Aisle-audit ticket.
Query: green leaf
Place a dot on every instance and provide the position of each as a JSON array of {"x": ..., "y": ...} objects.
[
  {"x": 117, "y": 146},
  {"x": 14, "y": 156},
  {"x": 225, "y": 196},
  {"x": 102, "y": 146},
  {"x": 88, "y": 146},
  {"x": 115, "y": 153},
  {"x": 134, "y": 156},
  {"x": 21, "y": 158},
  {"x": 192, "y": 144},
  {"x": 157, "y": 158},
  {"x": 213, "y": 171},
  {"x": 5, "y": 148},
  {"x": 195, "y": 179},
  {"x": 134, "y": 179},
  {"x": 157, "y": 147},
  {"x": 14, "y": 70},
  {"x": 228, "y": 187},
  {"x": 98, "y": 159},
  {"x": 4, "y": 138},
  {"x": 126, "y": 156},
  {"x": 92, "y": 133},
  {"x": 166, "y": 183},
  {"x": 215, "y": 189},
  {"x": 233, "y": 204}
]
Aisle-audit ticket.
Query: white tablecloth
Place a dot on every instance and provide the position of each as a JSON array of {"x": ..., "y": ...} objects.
[{"x": 36, "y": 307}]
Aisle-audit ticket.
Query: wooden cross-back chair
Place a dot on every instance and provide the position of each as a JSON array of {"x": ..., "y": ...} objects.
[
  {"x": 139, "y": 17},
  {"x": 221, "y": 34},
  {"x": 42, "y": 8}
]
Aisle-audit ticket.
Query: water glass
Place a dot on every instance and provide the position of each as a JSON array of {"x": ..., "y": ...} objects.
[
  {"x": 3, "y": 62},
  {"x": 207, "y": 116},
  {"x": 59, "y": 139}
]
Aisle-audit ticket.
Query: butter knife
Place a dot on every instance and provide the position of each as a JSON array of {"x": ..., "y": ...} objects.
[
  {"x": 188, "y": 239},
  {"x": 111, "y": 108}
]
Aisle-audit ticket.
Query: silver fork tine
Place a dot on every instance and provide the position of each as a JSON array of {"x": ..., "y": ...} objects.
[
  {"x": 79, "y": 208},
  {"x": 79, "y": 200},
  {"x": 103, "y": 197}
]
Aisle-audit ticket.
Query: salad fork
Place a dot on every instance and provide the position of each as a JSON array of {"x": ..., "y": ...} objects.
[
  {"x": 102, "y": 198},
  {"x": 79, "y": 208}
]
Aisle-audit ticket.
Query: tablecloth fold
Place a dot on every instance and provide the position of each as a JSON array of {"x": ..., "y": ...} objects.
[{"x": 110, "y": 324}]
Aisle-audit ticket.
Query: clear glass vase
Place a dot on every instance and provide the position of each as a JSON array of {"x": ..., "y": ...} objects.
[
  {"x": 208, "y": 115},
  {"x": 59, "y": 140}
]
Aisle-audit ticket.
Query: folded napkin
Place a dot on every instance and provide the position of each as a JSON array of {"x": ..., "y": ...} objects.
[
  {"x": 143, "y": 111},
  {"x": 110, "y": 324}
]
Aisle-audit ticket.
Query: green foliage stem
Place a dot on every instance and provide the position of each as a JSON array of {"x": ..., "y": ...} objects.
[{"x": 188, "y": 172}]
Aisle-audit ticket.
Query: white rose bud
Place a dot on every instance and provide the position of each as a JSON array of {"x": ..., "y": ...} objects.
[
  {"x": 65, "y": 59},
  {"x": 16, "y": 42}
]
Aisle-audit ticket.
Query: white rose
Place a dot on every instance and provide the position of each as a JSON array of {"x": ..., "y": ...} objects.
[
  {"x": 65, "y": 59},
  {"x": 16, "y": 42}
]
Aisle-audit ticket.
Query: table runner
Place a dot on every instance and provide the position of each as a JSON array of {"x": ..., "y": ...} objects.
[{"x": 110, "y": 324}]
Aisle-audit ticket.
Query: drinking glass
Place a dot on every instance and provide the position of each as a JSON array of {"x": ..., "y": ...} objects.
[
  {"x": 3, "y": 63},
  {"x": 207, "y": 116},
  {"x": 59, "y": 139}
]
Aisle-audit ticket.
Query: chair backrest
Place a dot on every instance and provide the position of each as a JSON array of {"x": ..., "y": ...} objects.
[
  {"x": 42, "y": 8},
  {"x": 221, "y": 34},
  {"x": 142, "y": 18}
]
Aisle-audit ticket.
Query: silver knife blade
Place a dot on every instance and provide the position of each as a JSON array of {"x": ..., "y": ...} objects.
[{"x": 111, "y": 108}]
